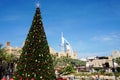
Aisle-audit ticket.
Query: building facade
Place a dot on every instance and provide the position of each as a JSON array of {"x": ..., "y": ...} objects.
[
  {"x": 16, "y": 51},
  {"x": 64, "y": 54},
  {"x": 101, "y": 62},
  {"x": 116, "y": 54},
  {"x": 12, "y": 50}
]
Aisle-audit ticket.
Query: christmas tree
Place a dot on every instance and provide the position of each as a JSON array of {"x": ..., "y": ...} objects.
[{"x": 35, "y": 62}]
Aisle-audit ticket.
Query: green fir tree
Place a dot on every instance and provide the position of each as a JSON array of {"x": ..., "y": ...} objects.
[{"x": 35, "y": 62}]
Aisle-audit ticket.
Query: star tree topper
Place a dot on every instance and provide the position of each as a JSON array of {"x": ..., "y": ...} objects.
[{"x": 37, "y": 4}]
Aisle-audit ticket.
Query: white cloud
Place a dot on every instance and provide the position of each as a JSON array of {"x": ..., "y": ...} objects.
[{"x": 108, "y": 37}]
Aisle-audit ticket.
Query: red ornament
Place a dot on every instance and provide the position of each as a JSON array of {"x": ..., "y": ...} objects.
[
  {"x": 3, "y": 79},
  {"x": 11, "y": 79},
  {"x": 32, "y": 79},
  {"x": 20, "y": 78}
]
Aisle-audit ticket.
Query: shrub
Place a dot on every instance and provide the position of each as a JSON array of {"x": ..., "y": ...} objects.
[{"x": 118, "y": 69}]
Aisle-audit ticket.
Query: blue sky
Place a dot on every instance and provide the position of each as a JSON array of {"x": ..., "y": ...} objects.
[{"x": 92, "y": 27}]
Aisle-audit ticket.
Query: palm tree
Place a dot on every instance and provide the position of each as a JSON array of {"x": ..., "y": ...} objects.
[
  {"x": 2, "y": 56},
  {"x": 117, "y": 60},
  {"x": 6, "y": 57},
  {"x": 1, "y": 50}
]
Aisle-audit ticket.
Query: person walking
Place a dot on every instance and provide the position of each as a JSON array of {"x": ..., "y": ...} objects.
[
  {"x": 0, "y": 72},
  {"x": 97, "y": 77}
]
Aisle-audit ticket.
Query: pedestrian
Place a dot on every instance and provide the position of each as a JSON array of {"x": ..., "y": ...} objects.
[
  {"x": 0, "y": 72},
  {"x": 97, "y": 77}
]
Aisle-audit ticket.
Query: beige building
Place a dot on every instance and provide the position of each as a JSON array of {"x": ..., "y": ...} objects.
[
  {"x": 99, "y": 62},
  {"x": 16, "y": 51},
  {"x": 116, "y": 54},
  {"x": 12, "y": 50},
  {"x": 68, "y": 54},
  {"x": 64, "y": 54}
]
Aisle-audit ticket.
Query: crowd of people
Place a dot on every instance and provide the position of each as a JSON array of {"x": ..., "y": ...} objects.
[{"x": 6, "y": 70}]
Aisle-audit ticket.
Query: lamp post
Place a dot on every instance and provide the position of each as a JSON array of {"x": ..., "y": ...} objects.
[{"x": 113, "y": 61}]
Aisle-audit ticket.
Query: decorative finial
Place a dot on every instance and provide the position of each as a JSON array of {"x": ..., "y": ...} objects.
[{"x": 37, "y": 4}]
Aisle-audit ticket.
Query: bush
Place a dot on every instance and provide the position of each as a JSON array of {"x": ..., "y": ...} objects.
[
  {"x": 96, "y": 69},
  {"x": 118, "y": 69},
  {"x": 82, "y": 74},
  {"x": 117, "y": 74},
  {"x": 68, "y": 70},
  {"x": 108, "y": 74},
  {"x": 102, "y": 72}
]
